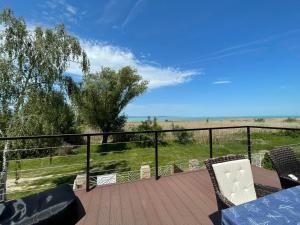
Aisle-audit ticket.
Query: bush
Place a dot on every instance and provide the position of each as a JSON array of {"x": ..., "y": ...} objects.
[
  {"x": 290, "y": 133},
  {"x": 290, "y": 120},
  {"x": 266, "y": 163},
  {"x": 147, "y": 139},
  {"x": 259, "y": 120},
  {"x": 183, "y": 137},
  {"x": 116, "y": 138}
]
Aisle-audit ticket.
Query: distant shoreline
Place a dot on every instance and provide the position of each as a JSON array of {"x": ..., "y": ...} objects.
[{"x": 175, "y": 118}]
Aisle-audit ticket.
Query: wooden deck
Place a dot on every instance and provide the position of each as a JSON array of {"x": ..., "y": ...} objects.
[{"x": 185, "y": 198}]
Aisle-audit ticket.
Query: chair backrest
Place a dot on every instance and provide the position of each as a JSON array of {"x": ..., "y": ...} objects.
[
  {"x": 284, "y": 161},
  {"x": 235, "y": 180},
  {"x": 209, "y": 165}
]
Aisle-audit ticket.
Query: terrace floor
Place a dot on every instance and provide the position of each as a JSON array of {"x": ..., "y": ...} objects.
[{"x": 184, "y": 198}]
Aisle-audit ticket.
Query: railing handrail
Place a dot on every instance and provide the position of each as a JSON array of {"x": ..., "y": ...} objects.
[
  {"x": 155, "y": 133},
  {"x": 143, "y": 132}
]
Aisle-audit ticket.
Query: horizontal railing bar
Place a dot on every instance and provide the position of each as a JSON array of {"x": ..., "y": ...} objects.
[
  {"x": 42, "y": 148},
  {"x": 45, "y": 158},
  {"x": 276, "y": 128},
  {"x": 141, "y": 132},
  {"x": 112, "y": 133},
  {"x": 111, "y": 170},
  {"x": 121, "y": 142},
  {"x": 46, "y": 168}
]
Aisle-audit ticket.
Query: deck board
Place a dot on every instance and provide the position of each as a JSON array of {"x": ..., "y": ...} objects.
[
  {"x": 184, "y": 198},
  {"x": 127, "y": 212}
]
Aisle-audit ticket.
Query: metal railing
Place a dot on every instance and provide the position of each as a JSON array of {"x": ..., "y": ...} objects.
[{"x": 156, "y": 134}]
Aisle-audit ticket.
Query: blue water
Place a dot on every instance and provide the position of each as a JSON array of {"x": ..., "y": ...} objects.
[{"x": 178, "y": 118}]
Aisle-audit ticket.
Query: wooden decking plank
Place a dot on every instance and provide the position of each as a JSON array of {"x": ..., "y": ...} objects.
[
  {"x": 104, "y": 207},
  {"x": 188, "y": 203},
  {"x": 186, "y": 215},
  {"x": 197, "y": 197},
  {"x": 150, "y": 213},
  {"x": 200, "y": 181},
  {"x": 115, "y": 203},
  {"x": 93, "y": 208},
  {"x": 168, "y": 205},
  {"x": 127, "y": 212},
  {"x": 85, "y": 199},
  {"x": 186, "y": 198},
  {"x": 165, "y": 217},
  {"x": 266, "y": 177},
  {"x": 139, "y": 214}
]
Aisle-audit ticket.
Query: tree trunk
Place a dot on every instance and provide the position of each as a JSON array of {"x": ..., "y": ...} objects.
[
  {"x": 105, "y": 138},
  {"x": 4, "y": 173},
  {"x": 104, "y": 142}
]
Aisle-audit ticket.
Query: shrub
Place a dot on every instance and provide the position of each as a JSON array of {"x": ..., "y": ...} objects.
[
  {"x": 290, "y": 120},
  {"x": 123, "y": 137},
  {"x": 259, "y": 120},
  {"x": 290, "y": 133},
  {"x": 266, "y": 163},
  {"x": 147, "y": 139},
  {"x": 183, "y": 137}
]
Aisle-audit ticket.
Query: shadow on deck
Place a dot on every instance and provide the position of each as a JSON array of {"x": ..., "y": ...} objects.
[{"x": 185, "y": 198}]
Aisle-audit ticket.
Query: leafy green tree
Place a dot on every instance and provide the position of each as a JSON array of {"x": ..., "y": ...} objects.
[
  {"x": 31, "y": 61},
  {"x": 44, "y": 113},
  {"x": 102, "y": 96}
]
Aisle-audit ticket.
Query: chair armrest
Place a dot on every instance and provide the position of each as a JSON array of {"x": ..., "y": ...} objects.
[
  {"x": 287, "y": 182},
  {"x": 225, "y": 202},
  {"x": 262, "y": 190},
  {"x": 287, "y": 178}
]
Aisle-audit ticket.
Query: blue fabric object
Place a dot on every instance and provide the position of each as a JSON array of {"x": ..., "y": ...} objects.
[{"x": 282, "y": 207}]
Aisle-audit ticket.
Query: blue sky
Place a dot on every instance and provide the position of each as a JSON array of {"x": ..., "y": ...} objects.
[{"x": 202, "y": 58}]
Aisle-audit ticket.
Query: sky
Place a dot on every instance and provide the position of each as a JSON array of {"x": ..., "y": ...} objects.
[{"x": 202, "y": 58}]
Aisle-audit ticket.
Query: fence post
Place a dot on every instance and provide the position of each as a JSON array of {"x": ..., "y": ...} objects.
[
  {"x": 210, "y": 143},
  {"x": 88, "y": 153},
  {"x": 156, "y": 155},
  {"x": 249, "y": 143}
]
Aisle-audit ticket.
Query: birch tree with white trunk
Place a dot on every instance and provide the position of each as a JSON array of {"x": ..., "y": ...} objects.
[{"x": 30, "y": 60}]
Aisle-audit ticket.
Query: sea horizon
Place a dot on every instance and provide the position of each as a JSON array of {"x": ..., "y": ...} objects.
[{"x": 195, "y": 118}]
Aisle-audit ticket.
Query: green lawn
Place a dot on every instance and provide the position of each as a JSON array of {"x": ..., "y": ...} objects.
[{"x": 47, "y": 172}]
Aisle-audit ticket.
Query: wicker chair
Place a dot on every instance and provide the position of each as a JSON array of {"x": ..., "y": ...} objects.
[
  {"x": 222, "y": 201},
  {"x": 285, "y": 162}
]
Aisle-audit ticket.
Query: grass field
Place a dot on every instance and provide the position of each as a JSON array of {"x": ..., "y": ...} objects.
[{"x": 32, "y": 175}]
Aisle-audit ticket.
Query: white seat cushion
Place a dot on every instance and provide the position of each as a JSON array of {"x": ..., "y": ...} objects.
[{"x": 235, "y": 180}]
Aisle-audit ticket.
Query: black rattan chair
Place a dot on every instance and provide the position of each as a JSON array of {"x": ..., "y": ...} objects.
[
  {"x": 222, "y": 201},
  {"x": 285, "y": 162}
]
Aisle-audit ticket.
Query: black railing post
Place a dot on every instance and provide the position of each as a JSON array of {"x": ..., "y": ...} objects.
[
  {"x": 88, "y": 153},
  {"x": 156, "y": 155},
  {"x": 249, "y": 143},
  {"x": 210, "y": 143}
]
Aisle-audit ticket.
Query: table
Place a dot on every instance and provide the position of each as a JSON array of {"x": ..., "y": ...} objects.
[{"x": 282, "y": 207}]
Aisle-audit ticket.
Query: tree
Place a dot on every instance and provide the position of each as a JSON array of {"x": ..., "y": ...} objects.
[
  {"x": 102, "y": 96},
  {"x": 31, "y": 61},
  {"x": 44, "y": 113}
]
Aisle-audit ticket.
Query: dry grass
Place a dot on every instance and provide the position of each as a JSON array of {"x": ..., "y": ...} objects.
[{"x": 280, "y": 122}]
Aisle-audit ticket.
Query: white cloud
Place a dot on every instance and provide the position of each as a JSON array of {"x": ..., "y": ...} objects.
[
  {"x": 222, "y": 82},
  {"x": 56, "y": 11},
  {"x": 132, "y": 12},
  {"x": 71, "y": 9},
  {"x": 106, "y": 55}
]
